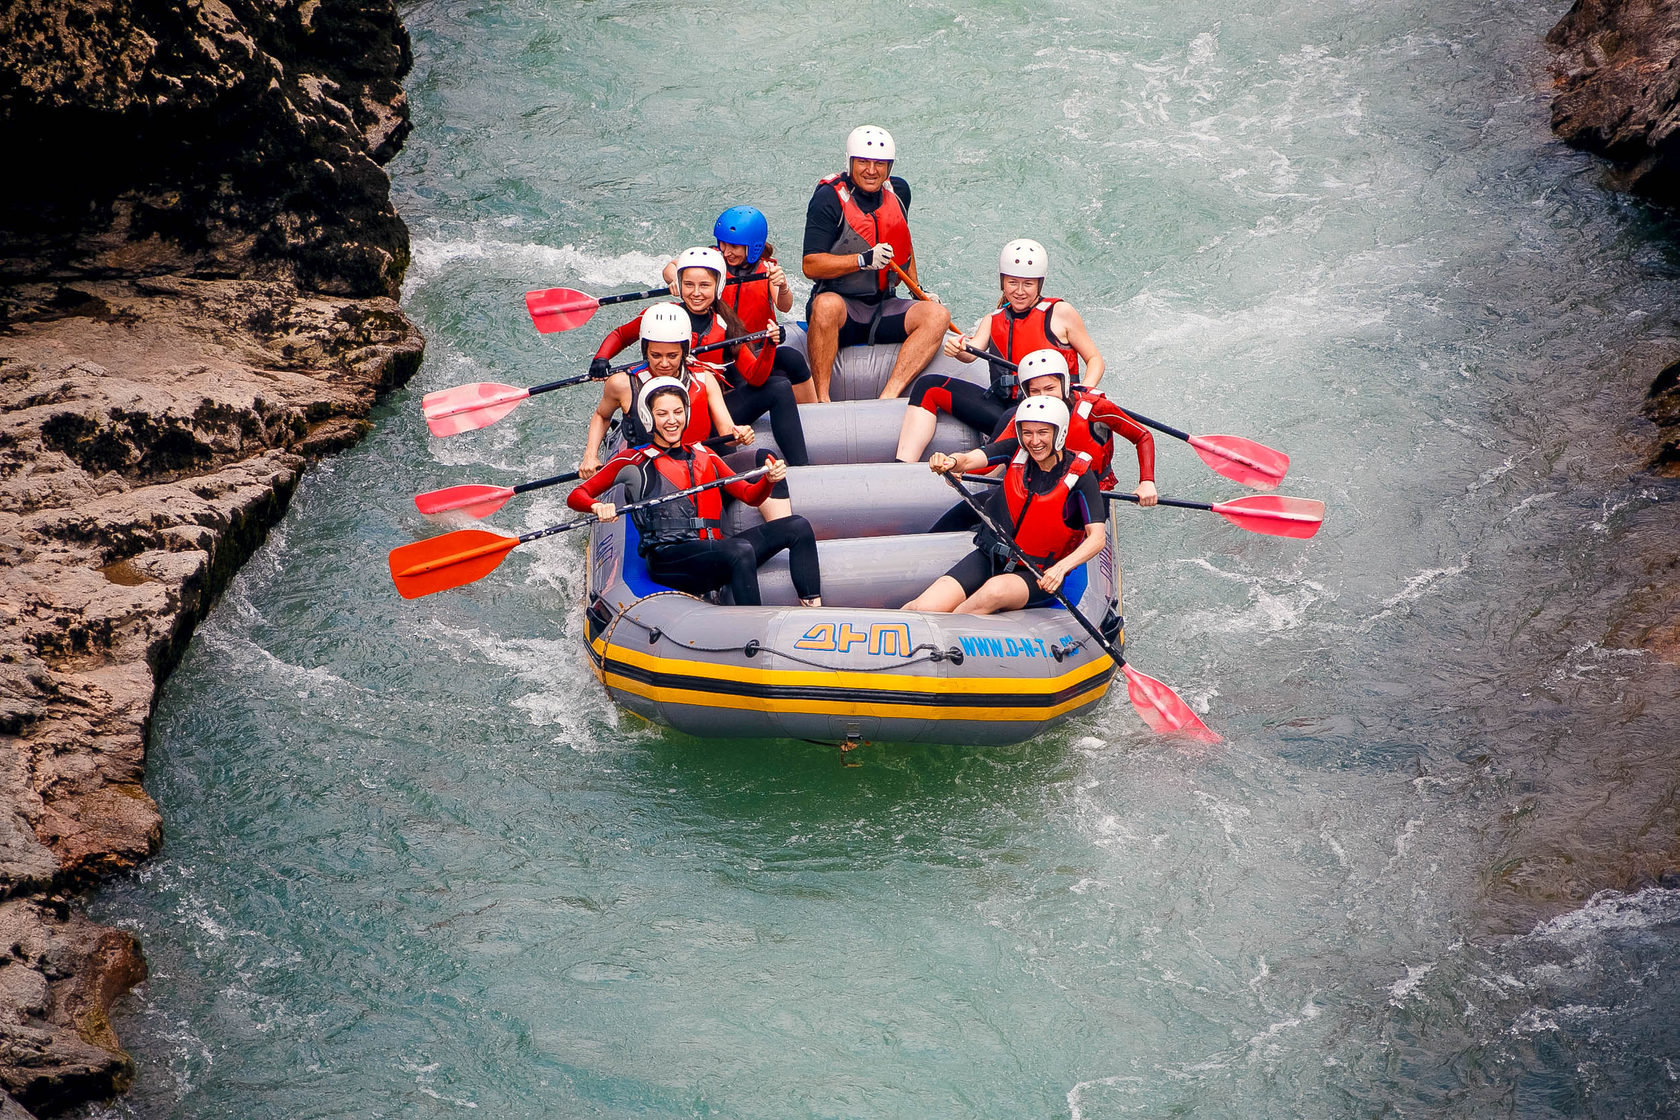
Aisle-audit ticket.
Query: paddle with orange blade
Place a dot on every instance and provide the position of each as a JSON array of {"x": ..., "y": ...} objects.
[
  {"x": 459, "y": 558},
  {"x": 561, "y": 309},
  {"x": 467, "y": 408},
  {"x": 1272, "y": 514},
  {"x": 476, "y": 500},
  {"x": 1158, "y": 705}
]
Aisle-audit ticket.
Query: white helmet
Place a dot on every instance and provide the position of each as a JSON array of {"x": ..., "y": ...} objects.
[
  {"x": 644, "y": 399},
  {"x": 870, "y": 142},
  {"x": 1045, "y": 410},
  {"x": 1025, "y": 258},
  {"x": 704, "y": 257},
  {"x": 666, "y": 322},
  {"x": 1045, "y": 363}
]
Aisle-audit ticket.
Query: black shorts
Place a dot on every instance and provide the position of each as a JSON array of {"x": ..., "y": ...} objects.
[
  {"x": 973, "y": 570},
  {"x": 863, "y": 327}
]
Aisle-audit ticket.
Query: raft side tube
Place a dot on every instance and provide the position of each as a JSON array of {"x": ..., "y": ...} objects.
[
  {"x": 864, "y": 432},
  {"x": 862, "y": 500}
]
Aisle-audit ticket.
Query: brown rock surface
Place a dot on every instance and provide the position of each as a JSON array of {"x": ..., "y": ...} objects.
[
  {"x": 195, "y": 301},
  {"x": 1618, "y": 95},
  {"x": 1618, "y": 89}
]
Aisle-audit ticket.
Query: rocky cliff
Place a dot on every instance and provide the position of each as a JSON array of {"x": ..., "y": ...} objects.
[
  {"x": 1618, "y": 95},
  {"x": 198, "y": 265}
]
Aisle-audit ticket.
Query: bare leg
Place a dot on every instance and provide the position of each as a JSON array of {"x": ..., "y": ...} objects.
[
  {"x": 941, "y": 598},
  {"x": 1000, "y": 593},
  {"x": 822, "y": 340},
  {"x": 805, "y": 392},
  {"x": 926, "y": 324},
  {"x": 774, "y": 509},
  {"x": 915, "y": 434}
]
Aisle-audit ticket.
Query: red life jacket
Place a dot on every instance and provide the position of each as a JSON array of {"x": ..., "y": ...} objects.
[
  {"x": 1095, "y": 440},
  {"x": 1014, "y": 337},
  {"x": 1036, "y": 520},
  {"x": 696, "y": 517},
  {"x": 750, "y": 299},
  {"x": 863, "y": 232}
]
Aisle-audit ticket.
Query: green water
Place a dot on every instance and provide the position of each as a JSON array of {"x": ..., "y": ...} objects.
[{"x": 417, "y": 865}]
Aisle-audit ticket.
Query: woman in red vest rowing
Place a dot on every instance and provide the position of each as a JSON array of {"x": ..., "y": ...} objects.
[
  {"x": 683, "y": 541},
  {"x": 1053, "y": 508},
  {"x": 1025, "y": 320}
]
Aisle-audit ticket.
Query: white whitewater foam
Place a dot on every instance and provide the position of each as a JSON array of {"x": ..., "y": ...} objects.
[{"x": 544, "y": 264}]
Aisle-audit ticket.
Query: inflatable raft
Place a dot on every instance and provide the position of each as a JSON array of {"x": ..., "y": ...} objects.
[{"x": 856, "y": 668}]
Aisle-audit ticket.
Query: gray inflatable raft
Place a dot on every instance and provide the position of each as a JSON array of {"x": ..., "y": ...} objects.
[{"x": 857, "y": 668}]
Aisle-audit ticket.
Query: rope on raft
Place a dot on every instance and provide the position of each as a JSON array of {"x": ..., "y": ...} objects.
[{"x": 753, "y": 647}]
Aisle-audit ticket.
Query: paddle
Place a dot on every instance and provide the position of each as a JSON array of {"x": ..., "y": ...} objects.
[
  {"x": 481, "y": 501},
  {"x": 466, "y": 408},
  {"x": 1272, "y": 514},
  {"x": 458, "y": 558},
  {"x": 561, "y": 309},
  {"x": 1157, "y": 704},
  {"x": 1241, "y": 460}
]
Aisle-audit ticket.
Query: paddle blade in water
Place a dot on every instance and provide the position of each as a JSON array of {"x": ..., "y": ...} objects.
[
  {"x": 474, "y": 501},
  {"x": 1242, "y": 460},
  {"x": 466, "y": 408},
  {"x": 447, "y": 561},
  {"x": 1274, "y": 514},
  {"x": 1162, "y": 709},
  {"x": 560, "y": 309}
]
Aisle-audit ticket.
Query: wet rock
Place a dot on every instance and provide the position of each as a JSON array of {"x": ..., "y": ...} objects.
[
  {"x": 59, "y": 976},
  {"x": 196, "y": 300},
  {"x": 236, "y": 138},
  {"x": 1617, "y": 93}
]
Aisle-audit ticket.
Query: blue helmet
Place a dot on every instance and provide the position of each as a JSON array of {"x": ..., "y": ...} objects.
[{"x": 743, "y": 225}]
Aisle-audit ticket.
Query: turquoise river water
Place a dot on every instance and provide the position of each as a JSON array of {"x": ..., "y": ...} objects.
[{"x": 417, "y": 865}]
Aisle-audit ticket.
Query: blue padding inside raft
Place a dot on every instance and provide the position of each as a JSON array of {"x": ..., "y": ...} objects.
[
  {"x": 1073, "y": 587},
  {"x": 634, "y": 570}
]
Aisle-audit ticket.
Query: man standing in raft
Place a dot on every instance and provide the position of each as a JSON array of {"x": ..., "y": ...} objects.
[
  {"x": 1053, "y": 508},
  {"x": 683, "y": 542},
  {"x": 856, "y": 228}
]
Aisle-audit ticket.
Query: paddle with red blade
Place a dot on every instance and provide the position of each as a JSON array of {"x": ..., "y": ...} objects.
[
  {"x": 561, "y": 309},
  {"x": 459, "y": 558},
  {"x": 1272, "y": 514},
  {"x": 1158, "y": 705},
  {"x": 1238, "y": 459},
  {"x": 476, "y": 500},
  {"x": 1241, "y": 460},
  {"x": 466, "y": 408}
]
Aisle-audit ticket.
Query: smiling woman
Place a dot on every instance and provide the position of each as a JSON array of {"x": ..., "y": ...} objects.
[{"x": 418, "y": 860}]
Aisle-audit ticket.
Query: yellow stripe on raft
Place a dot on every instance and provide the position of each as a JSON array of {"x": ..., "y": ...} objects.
[
  {"x": 838, "y": 678},
  {"x": 842, "y": 678}
]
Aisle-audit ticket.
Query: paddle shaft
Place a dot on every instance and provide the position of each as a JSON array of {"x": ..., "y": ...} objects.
[
  {"x": 1026, "y": 562},
  {"x": 538, "y": 534},
  {"x": 631, "y": 367},
  {"x": 714, "y": 443},
  {"x": 1181, "y": 503},
  {"x": 651, "y": 293},
  {"x": 505, "y": 544}
]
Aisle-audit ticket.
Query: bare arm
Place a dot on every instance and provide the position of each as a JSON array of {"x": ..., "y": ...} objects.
[
  {"x": 1069, "y": 326},
  {"x": 614, "y": 397},
  {"x": 1096, "y": 536}
]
